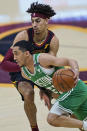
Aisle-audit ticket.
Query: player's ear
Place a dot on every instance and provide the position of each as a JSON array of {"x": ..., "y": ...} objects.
[{"x": 27, "y": 53}]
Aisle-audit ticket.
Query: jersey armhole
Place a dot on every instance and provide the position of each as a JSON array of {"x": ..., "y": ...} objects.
[{"x": 24, "y": 73}]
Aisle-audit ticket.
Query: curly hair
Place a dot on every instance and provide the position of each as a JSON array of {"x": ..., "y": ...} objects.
[{"x": 42, "y": 9}]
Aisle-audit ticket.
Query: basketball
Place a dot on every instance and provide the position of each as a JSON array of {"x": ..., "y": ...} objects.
[{"x": 63, "y": 80}]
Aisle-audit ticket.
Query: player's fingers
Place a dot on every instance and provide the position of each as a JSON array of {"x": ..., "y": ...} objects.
[{"x": 75, "y": 81}]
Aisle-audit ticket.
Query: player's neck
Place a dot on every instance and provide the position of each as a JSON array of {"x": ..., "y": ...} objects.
[
  {"x": 30, "y": 64},
  {"x": 38, "y": 38}
]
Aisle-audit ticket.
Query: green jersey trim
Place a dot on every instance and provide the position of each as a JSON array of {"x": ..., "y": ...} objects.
[{"x": 65, "y": 109}]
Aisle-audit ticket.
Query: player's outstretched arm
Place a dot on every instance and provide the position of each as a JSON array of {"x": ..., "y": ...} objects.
[
  {"x": 7, "y": 64},
  {"x": 47, "y": 60}
]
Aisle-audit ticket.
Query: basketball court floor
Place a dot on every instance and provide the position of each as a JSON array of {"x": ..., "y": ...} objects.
[{"x": 73, "y": 44}]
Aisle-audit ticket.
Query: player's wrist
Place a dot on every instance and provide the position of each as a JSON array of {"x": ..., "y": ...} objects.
[{"x": 76, "y": 69}]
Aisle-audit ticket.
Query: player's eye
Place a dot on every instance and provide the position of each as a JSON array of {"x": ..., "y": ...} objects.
[
  {"x": 15, "y": 53},
  {"x": 38, "y": 20}
]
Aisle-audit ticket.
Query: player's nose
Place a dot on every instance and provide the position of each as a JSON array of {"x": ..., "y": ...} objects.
[{"x": 15, "y": 58}]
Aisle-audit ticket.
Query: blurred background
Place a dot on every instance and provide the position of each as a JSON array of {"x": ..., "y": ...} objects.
[
  {"x": 70, "y": 26},
  {"x": 15, "y": 11}
]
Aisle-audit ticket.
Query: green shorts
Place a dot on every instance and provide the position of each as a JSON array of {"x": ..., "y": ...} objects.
[{"x": 75, "y": 101}]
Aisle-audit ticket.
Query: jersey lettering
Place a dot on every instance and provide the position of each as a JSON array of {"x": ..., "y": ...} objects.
[{"x": 44, "y": 81}]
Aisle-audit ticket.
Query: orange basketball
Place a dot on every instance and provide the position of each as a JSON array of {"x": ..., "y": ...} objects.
[{"x": 63, "y": 80}]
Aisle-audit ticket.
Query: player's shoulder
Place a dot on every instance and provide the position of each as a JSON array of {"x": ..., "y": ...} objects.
[
  {"x": 55, "y": 39},
  {"x": 45, "y": 55},
  {"x": 54, "y": 45},
  {"x": 22, "y": 35}
]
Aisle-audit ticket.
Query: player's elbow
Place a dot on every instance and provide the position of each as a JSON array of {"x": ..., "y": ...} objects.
[
  {"x": 51, "y": 119},
  {"x": 4, "y": 66}
]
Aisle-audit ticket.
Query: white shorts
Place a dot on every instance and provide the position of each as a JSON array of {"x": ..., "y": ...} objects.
[{"x": 57, "y": 110}]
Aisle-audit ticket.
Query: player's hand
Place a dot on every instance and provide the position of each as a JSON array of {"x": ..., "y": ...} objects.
[
  {"x": 55, "y": 96},
  {"x": 46, "y": 99},
  {"x": 76, "y": 75}
]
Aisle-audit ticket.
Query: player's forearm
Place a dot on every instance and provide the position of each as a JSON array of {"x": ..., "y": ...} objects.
[{"x": 7, "y": 64}]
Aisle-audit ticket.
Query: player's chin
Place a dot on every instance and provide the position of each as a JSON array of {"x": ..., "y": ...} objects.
[
  {"x": 20, "y": 64},
  {"x": 36, "y": 32}
]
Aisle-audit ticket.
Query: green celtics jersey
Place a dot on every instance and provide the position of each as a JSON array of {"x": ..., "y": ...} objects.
[{"x": 41, "y": 77}]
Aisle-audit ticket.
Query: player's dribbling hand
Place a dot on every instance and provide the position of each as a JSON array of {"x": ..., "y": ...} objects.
[{"x": 76, "y": 76}]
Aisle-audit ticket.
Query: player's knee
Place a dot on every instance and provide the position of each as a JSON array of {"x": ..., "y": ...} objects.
[
  {"x": 26, "y": 89},
  {"x": 51, "y": 119},
  {"x": 29, "y": 95}
]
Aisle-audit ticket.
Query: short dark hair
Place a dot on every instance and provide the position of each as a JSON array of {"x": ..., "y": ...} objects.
[
  {"x": 42, "y": 9},
  {"x": 24, "y": 46}
]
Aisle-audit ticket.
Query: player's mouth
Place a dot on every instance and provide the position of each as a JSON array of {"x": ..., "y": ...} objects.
[{"x": 35, "y": 29}]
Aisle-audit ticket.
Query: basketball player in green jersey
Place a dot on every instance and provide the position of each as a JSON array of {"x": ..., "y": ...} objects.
[{"x": 39, "y": 68}]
